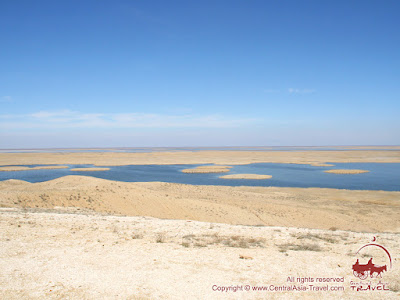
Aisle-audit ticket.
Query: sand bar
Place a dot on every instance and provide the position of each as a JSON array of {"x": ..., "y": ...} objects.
[
  {"x": 346, "y": 171},
  {"x": 321, "y": 165},
  {"x": 271, "y": 206},
  {"x": 200, "y": 157},
  {"x": 245, "y": 176},
  {"x": 90, "y": 169},
  {"x": 208, "y": 169}
]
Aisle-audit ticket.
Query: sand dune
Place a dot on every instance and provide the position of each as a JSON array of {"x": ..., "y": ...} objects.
[{"x": 272, "y": 206}]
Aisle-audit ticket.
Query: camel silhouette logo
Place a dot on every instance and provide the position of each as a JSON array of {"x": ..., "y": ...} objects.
[{"x": 363, "y": 270}]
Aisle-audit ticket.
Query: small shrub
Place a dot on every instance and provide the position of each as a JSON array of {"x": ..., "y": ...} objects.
[{"x": 160, "y": 238}]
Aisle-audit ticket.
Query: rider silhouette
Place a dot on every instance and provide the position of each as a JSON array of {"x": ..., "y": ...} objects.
[{"x": 370, "y": 264}]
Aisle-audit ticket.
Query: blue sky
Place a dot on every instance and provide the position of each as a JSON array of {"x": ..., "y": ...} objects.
[{"x": 199, "y": 73}]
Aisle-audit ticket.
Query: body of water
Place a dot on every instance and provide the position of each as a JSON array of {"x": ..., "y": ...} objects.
[{"x": 382, "y": 176}]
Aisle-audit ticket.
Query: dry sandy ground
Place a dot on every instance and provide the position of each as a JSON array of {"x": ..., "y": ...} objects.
[
  {"x": 61, "y": 255},
  {"x": 273, "y": 206},
  {"x": 199, "y": 157},
  {"x": 20, "y": 168}
]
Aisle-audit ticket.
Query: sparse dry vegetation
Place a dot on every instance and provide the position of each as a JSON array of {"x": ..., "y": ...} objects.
[
  {"x": 234, "y": 241},
  {"x": 311, "y": 236},
  {"x": 296, "y": 247}
]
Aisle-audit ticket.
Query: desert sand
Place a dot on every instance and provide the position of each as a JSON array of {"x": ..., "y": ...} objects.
[
  {"x": 59, "y": 254},
  {"x": 346, "y": 171},
  {"x": 20, "y": 168},
  {"x": 245, "y": 176},
  {"x": 244, "y": 205},
  {"x": 200, "y": 157},
  {"x": 89, "y": 169}
]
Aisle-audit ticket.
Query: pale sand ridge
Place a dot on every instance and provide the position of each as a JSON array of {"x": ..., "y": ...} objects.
[{"x": 271, "y": 206}]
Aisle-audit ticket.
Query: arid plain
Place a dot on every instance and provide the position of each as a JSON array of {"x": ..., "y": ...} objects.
[{"x": 82, "y": 237}]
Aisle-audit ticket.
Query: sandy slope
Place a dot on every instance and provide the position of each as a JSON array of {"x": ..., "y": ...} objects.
[
  {"x": 58, "y": 255},
  {"x": 273, "y": 206}
]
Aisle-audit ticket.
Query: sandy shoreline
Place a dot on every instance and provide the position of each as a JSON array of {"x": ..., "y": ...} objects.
[{"x": 200, "y": 157}]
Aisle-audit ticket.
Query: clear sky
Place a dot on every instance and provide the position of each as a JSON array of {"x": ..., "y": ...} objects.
[{"x": 199, "y": 73}]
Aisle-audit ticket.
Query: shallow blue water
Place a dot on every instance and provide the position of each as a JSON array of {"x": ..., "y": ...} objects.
[{"x": 384, "y": 176}]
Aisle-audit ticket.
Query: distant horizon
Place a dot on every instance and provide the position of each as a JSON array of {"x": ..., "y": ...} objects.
[{"x": 193, "y": 147}]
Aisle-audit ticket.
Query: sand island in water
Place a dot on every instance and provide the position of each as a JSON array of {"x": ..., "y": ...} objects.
[
  {"x": 246, "y": 176},
  {"x": 345, "y": 171},
  {"x": 208, "y": 169},
  {"x": 90, "y": 169}
]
